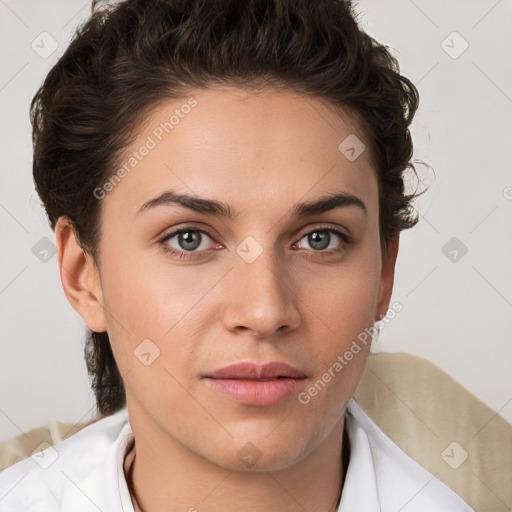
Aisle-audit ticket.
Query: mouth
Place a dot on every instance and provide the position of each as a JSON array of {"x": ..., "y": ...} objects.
[{"x": 258, "y": 385}]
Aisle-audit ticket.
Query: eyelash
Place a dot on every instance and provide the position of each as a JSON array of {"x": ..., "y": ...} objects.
[{"x": 347, "y": 240}]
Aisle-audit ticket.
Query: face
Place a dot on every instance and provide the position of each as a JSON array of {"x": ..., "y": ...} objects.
[{"x": 185, "y": 292}]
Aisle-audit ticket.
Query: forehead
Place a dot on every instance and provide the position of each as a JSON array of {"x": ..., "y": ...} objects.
[{"x": 242, "y": 143}]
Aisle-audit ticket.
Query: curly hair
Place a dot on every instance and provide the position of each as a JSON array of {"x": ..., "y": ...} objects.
[{"x": 130, "y": 55}]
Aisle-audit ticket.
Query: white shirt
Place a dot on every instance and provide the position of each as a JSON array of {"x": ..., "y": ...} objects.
[{"x": 84, "y": 473}]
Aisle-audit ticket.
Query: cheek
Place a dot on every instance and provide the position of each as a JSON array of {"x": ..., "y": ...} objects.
[
  {"x": 153, "y": 308},
  {"x": 344, "y": 299},
  {"x": 148, "y": 296},
  {"x": 344, "y": 307},
  {"x": 343, "y": 337}
]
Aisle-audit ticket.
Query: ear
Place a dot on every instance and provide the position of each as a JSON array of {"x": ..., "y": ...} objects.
[
  {"x": 387, "y": 277},
  {"x": 80, "y": 277}
]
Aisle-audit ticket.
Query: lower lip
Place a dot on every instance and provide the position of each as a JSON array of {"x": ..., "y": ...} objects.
[{"x": 253, "y": 392}]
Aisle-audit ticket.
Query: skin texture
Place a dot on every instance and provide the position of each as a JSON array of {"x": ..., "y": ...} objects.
[{"x": 261, "y": 153}]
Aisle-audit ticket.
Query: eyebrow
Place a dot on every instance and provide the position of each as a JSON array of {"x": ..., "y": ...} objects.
[{"x": 213, "y": 207}]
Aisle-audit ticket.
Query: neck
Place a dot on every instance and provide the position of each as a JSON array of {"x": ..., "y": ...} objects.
[{"x": 167, "y": 476}]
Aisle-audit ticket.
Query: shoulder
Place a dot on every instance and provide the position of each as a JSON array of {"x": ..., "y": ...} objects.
[
  {"x": 401, "y": 483},
  {"x": 68, "y": 475}
]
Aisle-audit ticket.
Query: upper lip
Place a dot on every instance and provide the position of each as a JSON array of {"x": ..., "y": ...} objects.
[{"x": 248, "y": 370}]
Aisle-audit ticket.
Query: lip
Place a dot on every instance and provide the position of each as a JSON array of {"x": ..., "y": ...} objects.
[
  {"x": 249, "y": 370},
  {"x": 242, "y": 382}
]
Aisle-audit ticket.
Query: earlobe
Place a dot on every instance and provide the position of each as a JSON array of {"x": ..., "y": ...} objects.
[
  {"x": 80, "y": 277},
  {"x": 387, "y": 277}
]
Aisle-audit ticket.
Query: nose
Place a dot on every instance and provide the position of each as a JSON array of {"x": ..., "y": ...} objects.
[{"x": 260, "y": 297}]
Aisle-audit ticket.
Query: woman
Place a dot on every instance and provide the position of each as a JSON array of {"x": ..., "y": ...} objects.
[{"x": 225, "y": 181}]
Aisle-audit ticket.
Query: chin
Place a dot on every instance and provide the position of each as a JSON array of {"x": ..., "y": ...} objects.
[{"x": 260, "y": 454}]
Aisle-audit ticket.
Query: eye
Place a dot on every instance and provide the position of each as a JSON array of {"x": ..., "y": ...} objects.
[
  {"x": 321, "y": 239},
  {"x": 186, "y": 242}
]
